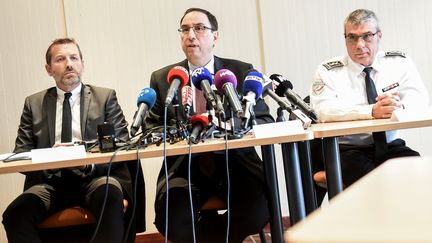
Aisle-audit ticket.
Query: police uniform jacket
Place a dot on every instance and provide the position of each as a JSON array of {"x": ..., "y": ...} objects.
[{"x": 338, "y": 91}]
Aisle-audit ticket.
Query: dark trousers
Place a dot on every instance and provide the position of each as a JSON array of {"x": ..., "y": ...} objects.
[
  {"x": 357, "y": 161},
  {"x": 23, "y": 215},
  {"x": 249, "y": 211}
]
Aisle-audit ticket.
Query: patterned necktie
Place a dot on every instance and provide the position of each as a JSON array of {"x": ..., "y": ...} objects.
[
  {"x": 200, "y": 102},
  {"x": 380, "y": 140},
  {"x": 66, "y": 134}
]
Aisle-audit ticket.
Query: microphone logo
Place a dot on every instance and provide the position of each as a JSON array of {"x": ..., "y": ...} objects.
[
  {"x": 225, "y": 72},
  {"x": 254, "y": 78},
  {"x": 198, "y": 71},
  {"x": 144, "y": 92},
  {"x": 180, "y": 68}
]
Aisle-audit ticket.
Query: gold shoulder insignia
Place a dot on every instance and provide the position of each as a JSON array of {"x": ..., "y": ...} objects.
[
  {"x": 333, "y": 64},
  {"x": 394, "y": 53}
]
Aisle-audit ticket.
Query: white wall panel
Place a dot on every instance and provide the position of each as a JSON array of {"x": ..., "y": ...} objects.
[{"x": 27, "y": 28}]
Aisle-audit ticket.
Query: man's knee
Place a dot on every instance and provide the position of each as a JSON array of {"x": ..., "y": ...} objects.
[
  {"x": 179, "y": 214},
  {"x": 26, "y": 207}
]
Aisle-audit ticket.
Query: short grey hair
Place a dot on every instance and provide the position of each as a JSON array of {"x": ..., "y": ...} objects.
[{"x": 361, "y": 16}]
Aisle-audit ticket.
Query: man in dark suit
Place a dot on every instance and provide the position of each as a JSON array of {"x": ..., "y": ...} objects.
[
  {"x": 43, "y": 126},
  {"x": 249, "y": 209}
]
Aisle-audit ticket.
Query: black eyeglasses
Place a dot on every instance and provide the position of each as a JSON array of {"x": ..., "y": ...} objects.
[
  {"x": 198, "y": 29},
  {"x": 367, "y": 37}
]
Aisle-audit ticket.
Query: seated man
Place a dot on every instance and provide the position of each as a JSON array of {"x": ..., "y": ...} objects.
[
  {"x": 68, "y": 112},
  {"x": 366, "y": 84},
  {"x": 249, "y": 209}
]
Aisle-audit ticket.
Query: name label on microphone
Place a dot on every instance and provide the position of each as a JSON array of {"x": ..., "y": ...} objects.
[{"x": 278, "y": 129}]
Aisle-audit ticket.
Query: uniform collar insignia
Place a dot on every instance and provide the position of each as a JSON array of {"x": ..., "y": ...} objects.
[
  {"x": 333, "y": 64},
  {"x": 394, "y": 53}
]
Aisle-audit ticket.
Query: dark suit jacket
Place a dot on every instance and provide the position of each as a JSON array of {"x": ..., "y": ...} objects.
[
  {"x": 158, "y": 82},
  {"x": 98, "y": 105}
]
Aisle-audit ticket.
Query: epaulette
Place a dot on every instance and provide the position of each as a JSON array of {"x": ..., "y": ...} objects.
[
  {"x": 333, "y": 64},
  {"x": 394, "y": 54}
]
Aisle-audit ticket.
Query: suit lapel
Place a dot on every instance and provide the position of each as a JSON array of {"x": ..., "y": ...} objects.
[
  {"x": 218, "y": 64},
  {"x": 184, "y": 64},
  {"x": 85, "y": 105},
  {"x": 50, "y": 106}
]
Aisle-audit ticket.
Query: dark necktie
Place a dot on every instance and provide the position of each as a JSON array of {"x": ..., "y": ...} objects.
[
  {"x": 380, "y": 140},
  {"x": 66, "y": 134}
]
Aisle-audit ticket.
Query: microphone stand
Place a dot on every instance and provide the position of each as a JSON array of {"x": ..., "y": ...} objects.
[
  {"x": 280, "y": 115},
  {"x": 234, "y": 134},
  {"x": 182, "y": 131}
]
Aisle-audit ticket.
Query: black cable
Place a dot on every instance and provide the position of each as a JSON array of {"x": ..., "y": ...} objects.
[
  {"x": 190, "y": 193},
  {"x": 134, "y": 199},
  {"x": 106, "y": 193},
  {"x": 228, "y": 203},
  {"x": 166, "y": 174}
]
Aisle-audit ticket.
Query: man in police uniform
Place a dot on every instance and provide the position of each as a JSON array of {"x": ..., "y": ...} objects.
[{"x": 366, "y": 84}]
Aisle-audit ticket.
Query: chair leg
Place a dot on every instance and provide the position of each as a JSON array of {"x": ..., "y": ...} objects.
[{"x": 262, "y": 236}]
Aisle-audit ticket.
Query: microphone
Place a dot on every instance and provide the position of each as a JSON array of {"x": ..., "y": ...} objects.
[
  {"x": 285, "y": 89},
  {"x": 202, "y": 80},
  {"x": 146, "y": 100},
  {"x": 177, "y": 77},
  {"x": 226, "y": 82},
  {"x": 268, "y": 90},
  {"x": 187, "y": 98},
  {"x": 294, "y": 113},
  {"x": 199, "y": 122},
  {"x": 252, "y": 89}
]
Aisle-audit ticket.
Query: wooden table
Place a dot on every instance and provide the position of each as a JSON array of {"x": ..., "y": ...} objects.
[
  {"x": 183, "y": 148},
  {"x": 390, "y": 204},
  {"x": 330, "y": 131},
  {"x": 152, "y": 151}
]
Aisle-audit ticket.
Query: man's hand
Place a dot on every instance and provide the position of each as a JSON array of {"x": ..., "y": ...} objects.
[{"x": 385, "y": 105}]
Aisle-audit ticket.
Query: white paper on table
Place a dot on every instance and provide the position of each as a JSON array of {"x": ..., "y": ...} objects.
[
  {"x": 58, "y": 154},
  {"x": 412, "y": 114},
  {"x": 277, "y": 129}
]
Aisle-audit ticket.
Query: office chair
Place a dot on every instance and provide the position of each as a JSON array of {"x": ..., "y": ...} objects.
[
  {"x": 74, "y": 224},
  {"x": 77, "y": 224}
]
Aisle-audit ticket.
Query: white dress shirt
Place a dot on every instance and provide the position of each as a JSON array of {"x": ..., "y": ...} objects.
[{"x": 338, "y": 91}]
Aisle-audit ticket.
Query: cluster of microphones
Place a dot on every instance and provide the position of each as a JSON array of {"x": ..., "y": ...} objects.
[{"x": 224, "y": 104}]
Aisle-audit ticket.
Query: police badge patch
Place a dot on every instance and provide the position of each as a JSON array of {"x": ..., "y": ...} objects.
[
  {"x": 333, "y": 64},
  {"x": 318, "y": 87}
]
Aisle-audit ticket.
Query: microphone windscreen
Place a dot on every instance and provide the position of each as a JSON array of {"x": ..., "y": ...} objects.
[
  {"x": 283, "y": 87},
  {"x": 277, "y": 77},
  {"x": 253, "y": 83},
  {"x": 200, "y": 119},
  {"x": 178, "y": 72},
  {"x": 199, "y": 74},
  {"x": 224, "y": 76},
  {"x": 148, "y": 96}
]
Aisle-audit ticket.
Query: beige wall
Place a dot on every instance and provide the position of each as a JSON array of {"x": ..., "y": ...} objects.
[{"x": 124, "y": 41}]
